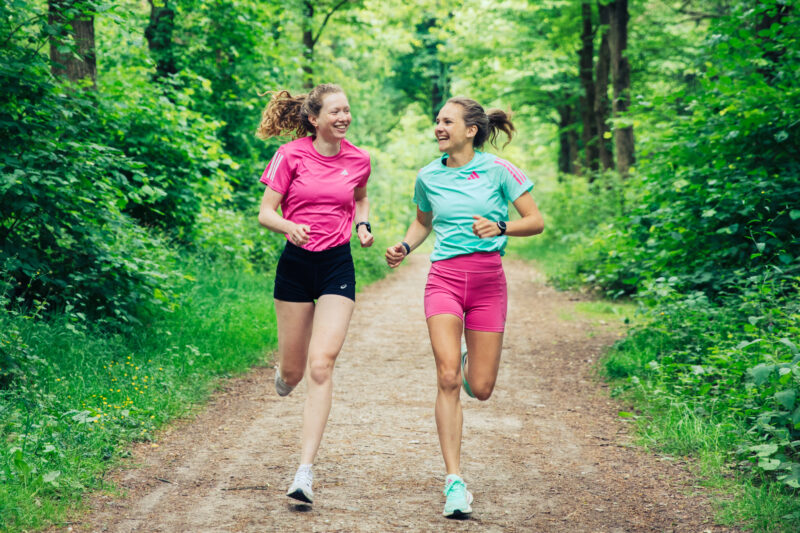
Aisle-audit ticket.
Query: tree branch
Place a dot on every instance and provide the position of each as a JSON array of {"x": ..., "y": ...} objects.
[{"x": 325, "y": 21}]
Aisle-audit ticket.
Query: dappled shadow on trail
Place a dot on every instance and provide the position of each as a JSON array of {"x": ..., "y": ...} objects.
[{"x": 546, "y": 453}]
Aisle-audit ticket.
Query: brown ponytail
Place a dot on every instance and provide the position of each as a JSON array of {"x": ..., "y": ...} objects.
[
  {"x": 288, "y": 115},
  {"x": 489, "y": 124}
]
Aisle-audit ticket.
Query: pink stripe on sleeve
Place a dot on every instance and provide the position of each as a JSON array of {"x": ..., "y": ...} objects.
[{"x": 517, "y": 173}]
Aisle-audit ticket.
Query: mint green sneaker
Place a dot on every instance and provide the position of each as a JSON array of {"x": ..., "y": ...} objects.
[
  {"x": 458, "y": 499},
  {"x": 464, "y": 370}
]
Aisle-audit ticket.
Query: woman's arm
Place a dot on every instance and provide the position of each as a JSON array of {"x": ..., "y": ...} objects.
[
  {"x": 530, "y": 223},
  {"x": 362, "y": 215},
  {"x": 418, "y": 231},
  {"x": 269, "y": 218}
]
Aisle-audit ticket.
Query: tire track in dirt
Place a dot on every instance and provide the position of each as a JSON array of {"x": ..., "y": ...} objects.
[{"x": 546, "y": 453}]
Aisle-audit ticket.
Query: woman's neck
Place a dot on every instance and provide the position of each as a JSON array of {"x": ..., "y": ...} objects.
[
  {"x": 326, "y": 148},
  {"x": 459, "y": 158}
]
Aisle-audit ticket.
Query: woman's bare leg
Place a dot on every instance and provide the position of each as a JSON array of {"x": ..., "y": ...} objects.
[
  {"x": 330, "y": 322},
  {"x": 294, "y": 333},
  {"x": 483, "y": 361},
  {"x": 445, "y": 333}
]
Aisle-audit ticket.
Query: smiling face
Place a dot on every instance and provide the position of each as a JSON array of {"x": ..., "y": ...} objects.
[
  {"x": 451, "y": 131},
  {"x": 334, "y": 118}
]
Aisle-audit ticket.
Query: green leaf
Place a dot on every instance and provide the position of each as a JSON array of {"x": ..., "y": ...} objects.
[
  {"x": 769, "y": 464},
  {"x": 760, "y": 373},
  {"x": 794, "y": 214},
  {"x": 792, "y": 346},
  {"x": 764, "y": 450},
  {"x": 786, "y": 398},
  {"x": 745, "y": 344},
  {"x": 793, "y": 477},
  {"x": 51, "y": 476},
  {"x": 625, "y": 414}
]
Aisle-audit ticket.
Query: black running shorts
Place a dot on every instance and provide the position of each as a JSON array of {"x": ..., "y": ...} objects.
[{"x": 304, "y": 276}]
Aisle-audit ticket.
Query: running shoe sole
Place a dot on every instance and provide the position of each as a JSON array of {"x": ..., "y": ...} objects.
[{"x": 299, "y": 494}]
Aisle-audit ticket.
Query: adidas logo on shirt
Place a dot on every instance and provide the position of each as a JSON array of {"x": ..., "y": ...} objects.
[
  {"x": 344, "y": 173},
  {"x": 473, "y": 176}
]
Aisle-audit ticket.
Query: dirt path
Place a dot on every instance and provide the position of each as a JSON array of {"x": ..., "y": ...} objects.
[{"x": 546, "y": 453}]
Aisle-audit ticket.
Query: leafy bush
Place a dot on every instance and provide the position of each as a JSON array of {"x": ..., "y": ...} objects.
[
  {"x": 236, "y": 237},
  {"x": 181, "y": 161},
  {"x": 64, "y": 237},
  {"x": 737, "y": 359},
  {"x": 720, "y": 188}
]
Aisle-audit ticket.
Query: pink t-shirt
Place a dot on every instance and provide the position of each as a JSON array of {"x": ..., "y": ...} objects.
[{"x": 318, "y": 190}]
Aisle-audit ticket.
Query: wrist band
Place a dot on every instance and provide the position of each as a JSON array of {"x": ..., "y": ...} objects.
[{"x": 407, "y": 247}]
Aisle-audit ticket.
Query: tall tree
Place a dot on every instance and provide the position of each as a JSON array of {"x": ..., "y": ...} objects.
[
  {"x": 602, "y": 106},
  {"x": 586, "y": 73},
  {"x": 72, "y": 49},
  {"x": 422, "y": 74},
  {"x": 567, "y": 140},
  {"x": 159, "y": 37},
  {"x": 310, "y": 8},
  {"x": 621, "y": 76}
]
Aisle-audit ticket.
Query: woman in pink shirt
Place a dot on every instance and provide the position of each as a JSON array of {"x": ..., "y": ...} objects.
[{"x": 319, "y": 181}]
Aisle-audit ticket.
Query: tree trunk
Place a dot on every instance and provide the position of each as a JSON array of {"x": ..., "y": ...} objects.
[
  {"x": 83, "y": 62},
  {"x": 308, "y": 44},
  {"x": 567, "y": 140},
  {"x": 602, "y": 106},
  {"x": 159, "y": 39},
  {"x": 586, "y": 56},
  {"x": 621, "y": 75},
  {"x": 773, "y": 53}
]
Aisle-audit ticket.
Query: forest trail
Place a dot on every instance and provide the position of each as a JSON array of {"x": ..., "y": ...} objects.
[{"x": 547, "y": 452}]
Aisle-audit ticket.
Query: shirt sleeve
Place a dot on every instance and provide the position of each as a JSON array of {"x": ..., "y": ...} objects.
[
  {"x": 421, "y": 197},
  {"x": 278, "y": 175},
  {"x": 367, "y": 171},
  {"x": 513, "y": 181}
]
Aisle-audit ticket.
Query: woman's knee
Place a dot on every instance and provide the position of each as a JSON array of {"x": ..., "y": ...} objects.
[
  {"x": 291, "y": 377},
  {"x": 320, "y": 369},
  {"x": 482, "y": 392},
  {"x": 449, "y": 380}
]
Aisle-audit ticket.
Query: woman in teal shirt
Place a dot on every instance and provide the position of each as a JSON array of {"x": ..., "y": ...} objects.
[{"x": 463, "y": 197}]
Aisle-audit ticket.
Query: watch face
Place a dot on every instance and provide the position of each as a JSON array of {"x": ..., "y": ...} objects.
[{"x": 502, "y": 226}]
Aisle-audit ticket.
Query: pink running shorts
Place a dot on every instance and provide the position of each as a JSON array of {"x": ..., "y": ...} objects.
[{"x": 471, "y": 287}]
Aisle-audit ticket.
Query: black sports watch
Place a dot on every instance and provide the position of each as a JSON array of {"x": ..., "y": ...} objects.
[
  {"x": 369, "y": 228},
  {"x": 502, "y": 226}
]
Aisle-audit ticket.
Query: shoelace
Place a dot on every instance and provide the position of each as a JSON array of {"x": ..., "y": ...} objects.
[{"x": 452, "y": 487}]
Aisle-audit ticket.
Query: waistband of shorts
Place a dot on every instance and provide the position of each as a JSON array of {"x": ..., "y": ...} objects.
[
  {"x": 474, "y": 262},
  {"x": 343, "y": 250}
]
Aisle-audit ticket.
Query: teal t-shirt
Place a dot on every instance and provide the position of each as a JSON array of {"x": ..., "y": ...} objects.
[{"x": 483, "y": 187}]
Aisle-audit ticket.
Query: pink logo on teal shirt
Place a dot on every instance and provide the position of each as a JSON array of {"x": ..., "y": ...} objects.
[{"x": 473, "y": 176}]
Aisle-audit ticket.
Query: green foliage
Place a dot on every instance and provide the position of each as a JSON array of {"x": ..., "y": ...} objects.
[
  {"x": 181, "y": 161},
  {"x": 719, "y": 189},
  {"x": 236, "y": 237},
  {"x": 80, "y": 395},
  {"x": 64, "y": 236},
  {"x": 736, "y": 361}
]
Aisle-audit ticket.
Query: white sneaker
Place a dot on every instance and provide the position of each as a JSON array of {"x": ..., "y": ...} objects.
[
  {"x": 281, "y": 387},
  {"x": 301, "y": 488}
]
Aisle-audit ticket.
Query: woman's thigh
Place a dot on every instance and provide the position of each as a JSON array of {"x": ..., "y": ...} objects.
[{"x": 295, "y": 320}]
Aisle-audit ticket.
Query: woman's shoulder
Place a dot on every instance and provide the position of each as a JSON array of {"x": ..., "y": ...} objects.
[
  {"x": 296, "y": 149},
  {"x": 496, "y": 163},
  {"x": 353, "y": 150},
  {"x": 433, "y": 167}
]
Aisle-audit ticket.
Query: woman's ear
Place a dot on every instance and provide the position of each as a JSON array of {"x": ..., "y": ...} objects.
[
  {"x": 472, "y": 131},
  {"x": 313, "y": 120}
]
